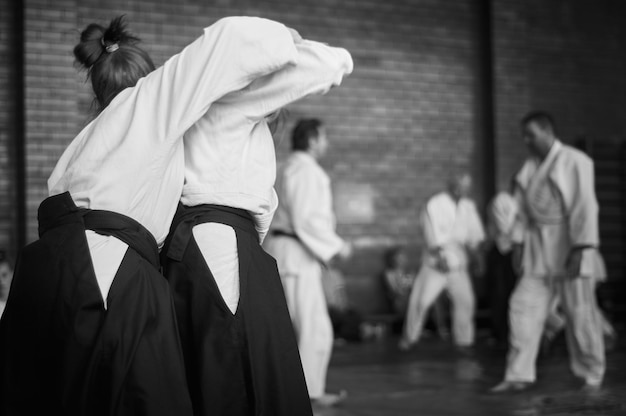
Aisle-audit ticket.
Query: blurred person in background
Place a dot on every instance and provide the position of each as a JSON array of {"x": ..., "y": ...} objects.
[
  {"x": 555, "y": 322},
  {"x": 304, "y": 240},
  {"x": 348, "y": 323},
  {"x": 453, "y": 234},
  {"x": 398, "y": 282},
  {"x": 558, "y": 257}
]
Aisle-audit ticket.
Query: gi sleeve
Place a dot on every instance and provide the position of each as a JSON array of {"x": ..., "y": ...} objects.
[
  {"x": 310, "y": 205},
  {"x": 263, "y": 221},
  {"x": 575, "y": 179},
  {"x": 432, "y": 238},
  {"x": 227, "y": 57},
  {"x": 521, "y": 220},
  {"x": 319, "y": 68},
  {"x": 476, "y": 231}
]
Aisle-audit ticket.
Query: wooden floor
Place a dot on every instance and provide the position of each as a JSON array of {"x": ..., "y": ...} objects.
[{"x": 434, "y": 379}]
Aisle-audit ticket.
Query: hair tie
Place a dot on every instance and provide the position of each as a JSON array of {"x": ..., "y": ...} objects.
[{"x": 109, "y": 48}]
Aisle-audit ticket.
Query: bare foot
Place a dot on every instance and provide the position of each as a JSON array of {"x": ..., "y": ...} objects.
[
  {"x": 329, "y": 399},
  {"x": 510, "y": 387},
  {"x": 591, "y": 389},
  {"x": 405, "y": 345}
]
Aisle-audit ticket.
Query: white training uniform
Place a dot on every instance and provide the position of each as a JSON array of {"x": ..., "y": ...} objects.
[
  {"x": 306, "y": 210},
  {"x": 555, "y": 322},
  {"x": 455, "y": 228},
  {"x": 230, "y": 158},
  {"x": 130, "y": 158},
  {"x": 560, "y": 211}
]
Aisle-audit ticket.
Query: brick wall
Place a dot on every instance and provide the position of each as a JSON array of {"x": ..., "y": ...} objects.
[
  {"x": 398, "y": 125},
  {"x": 8, "y": 75},
  {"x": 566, "y": 57}
]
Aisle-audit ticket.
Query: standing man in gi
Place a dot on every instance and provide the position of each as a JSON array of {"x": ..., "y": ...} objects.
[
  {"x": 303, "y": 241},
  {"x": 453, "y": 233},
  {"x": 555, "y": 189}
]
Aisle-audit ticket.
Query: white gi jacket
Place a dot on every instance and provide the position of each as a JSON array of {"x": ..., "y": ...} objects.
[
  {"x": 560, "y": 211},
  {"x": 229, "y": 153},
  {"x": 130, "y": 158},
  {"x": 453, "y": 226},
  {"x": 306, "y": 207}
]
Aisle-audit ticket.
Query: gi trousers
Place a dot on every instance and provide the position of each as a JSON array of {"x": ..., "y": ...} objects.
[
  {"x": 301, "y": 275},
  {"x": 243, "y": 361},
  {"x": 426, "y": 289},
  {"x": 529, "y": 309}
]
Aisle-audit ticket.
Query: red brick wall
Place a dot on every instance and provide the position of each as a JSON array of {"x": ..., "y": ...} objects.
[{"x": 398, "y": 125}]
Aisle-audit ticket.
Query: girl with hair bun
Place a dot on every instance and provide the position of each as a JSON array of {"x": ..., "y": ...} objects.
[{"x": 89, "y": 327}]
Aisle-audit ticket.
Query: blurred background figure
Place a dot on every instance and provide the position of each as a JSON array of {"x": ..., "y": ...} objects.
[
  {"x": 398, "y": 282},
  {"x": 6, "y": 275},
  {"x": 349, "y": 324},
  {"x": 453, "y": 233},
  {"x": 303, "y": 240},
  {"x": 501, "y": 278},
  {"x": 555, "y": 322},
  {"x": 397, "y": 279},
  {"x": 560, "y": 257}
]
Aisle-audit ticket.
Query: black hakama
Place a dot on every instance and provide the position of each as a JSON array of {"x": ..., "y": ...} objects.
[
  {"x": 62, "y": 352},
  {"x": 245, "y": 363}
]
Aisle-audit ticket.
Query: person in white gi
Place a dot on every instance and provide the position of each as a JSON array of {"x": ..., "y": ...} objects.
[
  {"x": 453, "y": 233},
  {"x": 126, "y": 164},
  {"x": 230, "y": 164},
  {"x": 230, "y": 158},
  {"x": 555, "y": 324},
  {"x": 559, "y": 210},
  {"x": 303, "y": 241},
  {"x": 124, "y": 145}
]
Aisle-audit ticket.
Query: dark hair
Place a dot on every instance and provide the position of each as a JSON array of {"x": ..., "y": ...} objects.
[
  {"x": 304, "y": 131},
  {"x": 542, "y": 118},
  {"x": 112, "y": 59}
]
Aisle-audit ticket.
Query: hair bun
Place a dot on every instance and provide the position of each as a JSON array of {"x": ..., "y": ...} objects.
[
  {"x": 89, "y": 49},
  {"x": 117, "y": 33},
  {"x": 95, "y": 39}
]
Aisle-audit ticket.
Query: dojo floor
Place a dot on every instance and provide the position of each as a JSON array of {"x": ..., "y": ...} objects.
[{"x": 434, "y": 379}]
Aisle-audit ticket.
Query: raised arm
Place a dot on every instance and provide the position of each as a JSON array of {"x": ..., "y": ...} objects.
[
  {"x": 319, "y": 68},
  {"x": 227, "y": 57}
]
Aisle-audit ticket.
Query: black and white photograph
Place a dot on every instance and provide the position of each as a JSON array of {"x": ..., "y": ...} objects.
[{"x": 313, "y": 207}]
